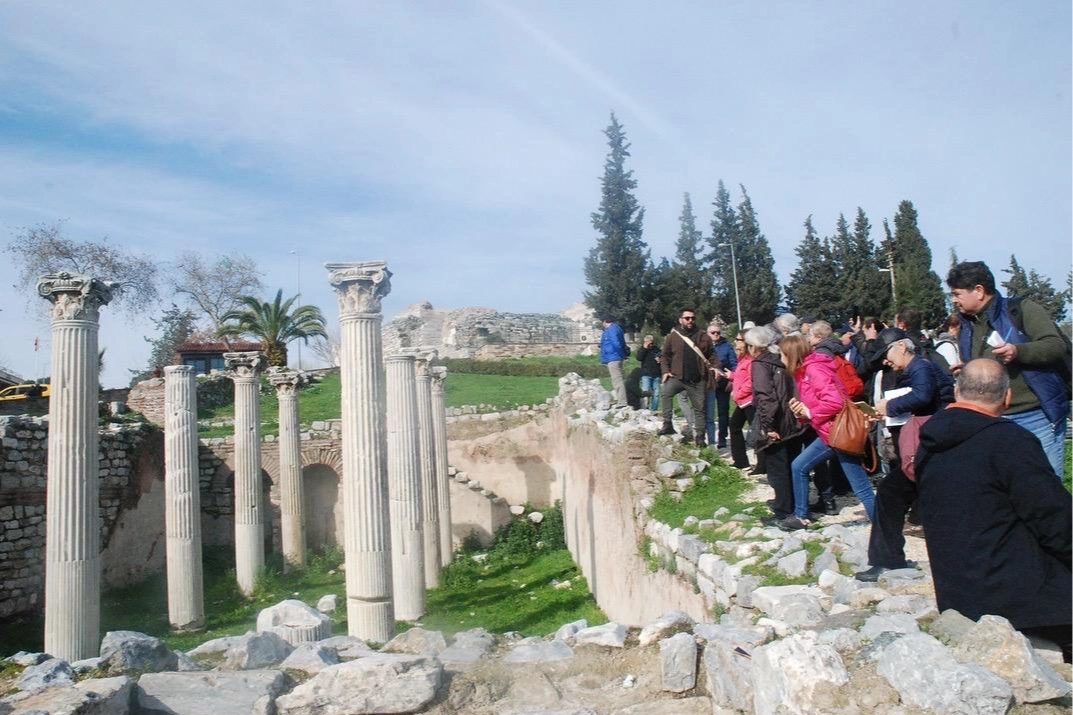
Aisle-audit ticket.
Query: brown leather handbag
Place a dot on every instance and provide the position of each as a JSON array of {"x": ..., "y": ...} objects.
[{"x": 849, "y": 430}]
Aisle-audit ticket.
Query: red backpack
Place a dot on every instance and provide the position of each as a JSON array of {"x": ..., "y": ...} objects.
[{"x": 849, "y": 377}]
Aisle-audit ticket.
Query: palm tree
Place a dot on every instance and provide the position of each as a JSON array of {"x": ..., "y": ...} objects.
[{"x": 273, "y": 324}]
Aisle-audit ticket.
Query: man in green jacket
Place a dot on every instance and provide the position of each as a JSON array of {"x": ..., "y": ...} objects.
[{"x": 1031, "y": 348}]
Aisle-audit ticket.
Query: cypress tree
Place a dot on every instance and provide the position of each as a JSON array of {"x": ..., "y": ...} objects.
[
  {"x": 811, "y": 290},
  {"x": 918, "y": 286},
  {"x": 757, "y": 283},
  {"x": 725, "y": 231},
  {"x": 618, "y": 267},
  {"x": 1036, "y": 288},
  {"x": 870, "y": 289}
]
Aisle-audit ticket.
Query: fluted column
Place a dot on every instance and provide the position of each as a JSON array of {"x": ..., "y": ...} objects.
[
  {"x": 404, "y": 489},
  {"x": 439, "y": 435},
  {"x": 430, "y": 519},
  {"x": 72, "y": 545},
  {"x": 182, "y": 508},
  {"x": 245, "y": 370},
  {"x": 359, "y": 288},
  {"x": 290, "y": 468}
]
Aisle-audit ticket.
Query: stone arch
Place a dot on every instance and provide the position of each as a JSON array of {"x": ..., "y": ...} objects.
[
  {"x": 329, "y": 455},
  {"x": 322, "y": 509}
]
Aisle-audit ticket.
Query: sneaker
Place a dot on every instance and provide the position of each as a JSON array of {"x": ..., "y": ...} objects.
[
  {"x": 668, "y": 428},
  {"x": 792, "y": 523}
]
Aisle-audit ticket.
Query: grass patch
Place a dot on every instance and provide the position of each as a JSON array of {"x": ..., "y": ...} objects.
[
  {"x": 502, "y": 391},
  {"x": 505, "y": 593},
  {"x": 723, "y": 489}
]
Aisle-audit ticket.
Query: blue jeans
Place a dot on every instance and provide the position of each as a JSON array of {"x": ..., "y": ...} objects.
[
  {"x": 650, "y": 383},
  {"x": 717, "y": 403},
  {"x": 817, "y": 452},
  {"x": 1050, "y": 435}
]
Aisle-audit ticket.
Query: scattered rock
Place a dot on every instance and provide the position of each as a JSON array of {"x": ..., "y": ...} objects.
[
  {"x": 539, "y": 652},
  {"x": 215, "y": 693},
  {"x": 417, "y": 641},
  {"x": 310, "y": 658},
  {"x": 609, "y": 634},
  {"x": 994, "y": 644},
  {"x": 98, "y": 696},
  {"x": 377, "y": 684},
  {"x": 678, "y": 661},
  {"x": 256, "y": 650},
  {"x": 328, "y": 603},
  {"x": 799, "y": 670},
  {"x": 47, "y": 673},
  {"x": 123, "y": 651},
  {"x": 664, "y": 626}
]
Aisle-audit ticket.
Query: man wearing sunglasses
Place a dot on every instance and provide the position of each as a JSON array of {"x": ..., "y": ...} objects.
[{"x": 688, "y": 364}]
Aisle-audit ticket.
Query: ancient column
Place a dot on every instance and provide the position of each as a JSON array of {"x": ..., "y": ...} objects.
[
  {"x": 182, "y": 505},
  {"x": 404, "y": 489},
  {"x": 430, "y": 519},
  {"x": 290, "y": 468},
  {"x": 367, "y": 537},
  {"x": 245, "y": 370},
  {"x": 72, "y": 541},
  {"x": 443, "y": 492}
]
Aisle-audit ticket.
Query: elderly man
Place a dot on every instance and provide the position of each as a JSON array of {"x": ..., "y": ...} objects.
[{"x": 996, "y": 521}]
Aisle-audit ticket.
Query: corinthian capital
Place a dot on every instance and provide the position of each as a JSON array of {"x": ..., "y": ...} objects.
[
  {"x": 438, "y": 374},
  {"x": 359, "y": 286},
  {"x": 423, "y": 358},
  {"x": 75, "y": 296},
  {"x": 244, "y": 366},
  {"x": 286, "y": 382}
]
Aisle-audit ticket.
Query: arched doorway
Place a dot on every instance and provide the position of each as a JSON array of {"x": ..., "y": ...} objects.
[{"x": 322, "y": 507}]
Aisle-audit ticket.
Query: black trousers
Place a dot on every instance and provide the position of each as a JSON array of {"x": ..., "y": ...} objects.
[
  {"x": 778, "y": 458},
  {"x": 737, "y": 437},
  {"x": 894, "y": 495}
]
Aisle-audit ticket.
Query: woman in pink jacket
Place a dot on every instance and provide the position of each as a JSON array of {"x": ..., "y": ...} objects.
[
  {"x": 820, "y": 396},
  {"x": 742, "y": 394}
]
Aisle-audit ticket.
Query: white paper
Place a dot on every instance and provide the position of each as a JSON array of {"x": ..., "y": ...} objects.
[
  {"x": 995, "y": 340},
  {"x": 890, "y": 395}
]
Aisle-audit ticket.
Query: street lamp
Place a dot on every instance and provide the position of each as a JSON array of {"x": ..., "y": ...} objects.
[
  {"x": 734, "y": 269},
  {"x": 298, "y": 266},
  {"x": 890, "y": 269}
]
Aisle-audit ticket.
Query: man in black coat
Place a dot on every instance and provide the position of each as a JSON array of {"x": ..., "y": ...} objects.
[{"x": 996, "y": 521}]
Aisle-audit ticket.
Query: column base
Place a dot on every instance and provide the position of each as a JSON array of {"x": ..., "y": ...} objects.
[{"x": 370, "y": 620}]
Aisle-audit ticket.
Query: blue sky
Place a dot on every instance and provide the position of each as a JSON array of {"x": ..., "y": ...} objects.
[{"x": 462, "y": 141}]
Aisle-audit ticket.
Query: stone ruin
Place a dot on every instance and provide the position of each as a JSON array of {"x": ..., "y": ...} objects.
[{"x": 487, "y": 333}]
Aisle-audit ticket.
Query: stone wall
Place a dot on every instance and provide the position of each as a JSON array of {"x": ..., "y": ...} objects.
[{"x": 131, "y": 467}]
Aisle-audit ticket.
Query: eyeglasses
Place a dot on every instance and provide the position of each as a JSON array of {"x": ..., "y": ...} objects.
[
  {"x": 739, "y": 340},
  {"x": 689, "y": 317},
  {"x": 714, "y": 332}
]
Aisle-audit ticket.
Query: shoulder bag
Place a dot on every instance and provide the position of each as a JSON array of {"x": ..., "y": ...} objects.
[{"x": 849, "y": 430}]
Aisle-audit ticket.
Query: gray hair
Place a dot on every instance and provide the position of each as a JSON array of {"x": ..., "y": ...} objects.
[
  {"x": 787, "y": 323},
  {"x": 760, "y": 336},
  {"x": 983, "y": 380},
  {"x": 821, "y": 329}
]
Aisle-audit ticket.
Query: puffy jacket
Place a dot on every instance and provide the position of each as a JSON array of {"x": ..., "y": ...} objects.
[
  {"x": 612, "y": 344},
  {"x": 931, "y": 388},
  {"x": 773, "y": 387},
  {"x": 819, "y": 388},
  {"x": 728, "y": 359},
  {"x": 743, "y": 381}
]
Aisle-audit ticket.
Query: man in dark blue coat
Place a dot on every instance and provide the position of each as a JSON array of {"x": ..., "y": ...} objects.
[{"x": 996, "y": 521}]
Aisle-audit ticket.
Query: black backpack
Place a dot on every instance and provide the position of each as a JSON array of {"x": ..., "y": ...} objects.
[{"x": 1065, "y": 368}]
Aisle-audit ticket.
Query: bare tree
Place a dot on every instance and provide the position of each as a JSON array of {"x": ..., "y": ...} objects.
[
  {"x": 215, "y": 287},
  {"x": 327, "y": 349},
  {"x": 43, "y": 250}
]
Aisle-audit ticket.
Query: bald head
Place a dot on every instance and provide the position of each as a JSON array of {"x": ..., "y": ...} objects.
[{"x": 983, "y": 382}]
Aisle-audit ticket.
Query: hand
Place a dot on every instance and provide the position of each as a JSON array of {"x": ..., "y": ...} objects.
[
  {"x": 666, "y": 376},
  {"x": 855, "y": 325},
  {"x": 773, "y": 436},
  {"x": 798, "y": 408},
  {"x": 881, "y": 408},
  {"x": 870, "y": 332},
  {"x": 1006, "y": 353}
]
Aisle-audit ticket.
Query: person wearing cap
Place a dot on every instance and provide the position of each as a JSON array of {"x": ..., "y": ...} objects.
[
  {"x": 688, "y": 362},
  {"x": 613, "y": 351},
  {"x": 996, "y": 521},
  {"x": 930, "y": 389},
  {"x": 1032, "y": 351}
]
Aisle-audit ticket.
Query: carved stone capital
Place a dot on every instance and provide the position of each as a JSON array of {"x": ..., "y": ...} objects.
[
  {"x": 423, "y": 358},
  {"x": 286, "y": 382},
  {"x": 179, "y": 370},
  {"x": 75, "y": 296},
  {"x": 244, "y": 366},
  {"x": 359, "y": 286},
  {"x": 438, "y": 374}
]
